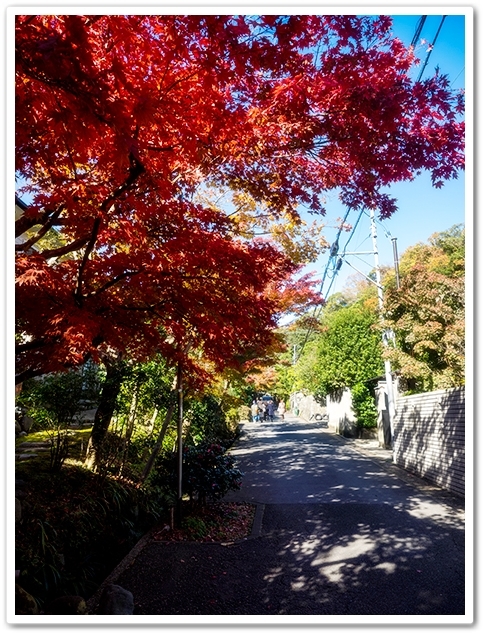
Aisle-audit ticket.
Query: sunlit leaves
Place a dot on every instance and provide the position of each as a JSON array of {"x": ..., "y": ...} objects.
[
  {"x": 347, "y": 351},
  {"x": 427, "y": 313},
  {"x": 122, "y": 119}
]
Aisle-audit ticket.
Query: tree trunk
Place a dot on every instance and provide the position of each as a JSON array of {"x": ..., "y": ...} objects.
[
  {"x": 180, "y": 416},
  {"x": 130, "y": 426},
  {"x": 158, "y": 444},
  {"x": 104, "y": 413},
  {"x": 152, "y": 421}
]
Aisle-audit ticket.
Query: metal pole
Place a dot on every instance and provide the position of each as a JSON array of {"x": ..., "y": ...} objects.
[
  {"x": 179, "y": 445},
  {"x": 395, "y": 260},
  {"x": 388, "y": 375}
]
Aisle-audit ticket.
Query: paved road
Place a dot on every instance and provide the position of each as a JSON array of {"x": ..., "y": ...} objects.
[{"x": 336, "y": 534}]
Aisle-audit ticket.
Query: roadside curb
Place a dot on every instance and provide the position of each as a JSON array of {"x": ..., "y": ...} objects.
[
  {"x": 257, "y": 521},
  {"x": 92, "y": 602}
]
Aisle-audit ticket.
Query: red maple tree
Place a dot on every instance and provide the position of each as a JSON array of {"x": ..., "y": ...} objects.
[{"x": 119, "y": 118}]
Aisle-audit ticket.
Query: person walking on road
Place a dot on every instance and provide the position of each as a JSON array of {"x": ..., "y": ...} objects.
[
  {"x": 255, "y": 412},
  {"x": 261, "y": 410},
  {"x": 281, "y": 409},
  {"x": 271, "y": 410}
]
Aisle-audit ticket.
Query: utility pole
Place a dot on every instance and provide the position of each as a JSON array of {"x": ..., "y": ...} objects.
[
  {"x": 385, "y": 335},
  {"x": 395, "y": 261}
]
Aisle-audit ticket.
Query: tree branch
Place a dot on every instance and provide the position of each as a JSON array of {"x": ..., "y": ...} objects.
[
  {"x": 65, "y": 249},
  {"x": 23, "y": 247},
  {"x": 136, "y": 169},
  {"x": 28, "y": 346},
  {"x": 78, "y": 292},
  {"x": 25, "y": 222},
  {"x": 114, "y": 281}
]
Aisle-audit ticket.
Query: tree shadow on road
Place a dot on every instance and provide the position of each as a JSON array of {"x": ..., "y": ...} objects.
[
  {"x": 341, "y": 536},
  {"x": 326, "y": 559}
]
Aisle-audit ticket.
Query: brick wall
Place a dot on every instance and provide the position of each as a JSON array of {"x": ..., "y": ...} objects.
[{"x": 429, "y": 431}]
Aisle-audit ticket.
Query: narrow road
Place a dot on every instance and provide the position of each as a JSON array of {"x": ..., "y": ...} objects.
[{"x": 335, "y": 534}]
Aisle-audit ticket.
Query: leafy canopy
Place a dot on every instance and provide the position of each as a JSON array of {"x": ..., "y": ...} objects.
[
  {"x": 121, "y": 118},
  {"x": 347, "y": 351}
]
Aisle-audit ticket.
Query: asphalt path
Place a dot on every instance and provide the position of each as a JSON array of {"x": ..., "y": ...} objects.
[{"x": 335, "y": 534}]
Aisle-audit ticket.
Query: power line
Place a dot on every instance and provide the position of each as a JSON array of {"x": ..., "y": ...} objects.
[
  {"x": 339, "y": 260},
  {"x": 418, "y": 30},
  {"x": 335, "y": 246},
  {"x": 431, "y": 47},
  {"x": 337, "y": 263}
]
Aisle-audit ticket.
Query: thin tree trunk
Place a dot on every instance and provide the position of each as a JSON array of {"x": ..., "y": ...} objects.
[
  {"x": 130, "y": 426},
  {"x": 180, "y": 416},
  {"x": 132, "y": 414},
  {"x": 158, "y": 444},
  {"x": 104, "y": 413},
  {"x": 152, "y": 421}
]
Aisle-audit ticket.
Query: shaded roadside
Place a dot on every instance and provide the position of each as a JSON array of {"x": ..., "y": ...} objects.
[{"x": 338, "y": 531}]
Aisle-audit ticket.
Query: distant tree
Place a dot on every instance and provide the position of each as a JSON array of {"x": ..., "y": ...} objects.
[
  {"x": 427, "y": 313},
  {"x": 348, "y": 351}
]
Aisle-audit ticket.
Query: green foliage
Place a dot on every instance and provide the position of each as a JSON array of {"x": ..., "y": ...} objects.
[
  {"x": 285, "y": 381},
  {"x": 210, "y": 471},
  {"x": 207, "y": 471},
  {"x": 453, "y": 244},
  {"x": 364, "y": 406},
  {"x": 141, "y": 402},
  {"x": 207, "y": 420},
  {"x": 77, "y": 525},
  {"x": 347, "y": 351},
  {"x": 197, "y": 527},
  {"x": 151, "y": 382},
  {"x": 427, "y": 314},
  {"x": 53, "y": 402}
]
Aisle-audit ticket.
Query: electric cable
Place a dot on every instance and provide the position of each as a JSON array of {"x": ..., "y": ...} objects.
[
  {"x": 431, "y": 48},
  {"x": 337, "y": 263},
  {"x": 418, "y": 30},
  {"x": 335, "y": 245}
]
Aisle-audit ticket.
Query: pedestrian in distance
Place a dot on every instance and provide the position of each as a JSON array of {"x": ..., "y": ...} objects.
[
  {"x": 281, "y": 409},
  {"x": 261, "y": 410},
  {"x": 271, "y": 410},
  {"x": 255, "y": 412}
]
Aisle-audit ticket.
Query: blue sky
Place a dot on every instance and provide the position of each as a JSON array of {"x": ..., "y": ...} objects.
[{"x": 422, "y": 209}]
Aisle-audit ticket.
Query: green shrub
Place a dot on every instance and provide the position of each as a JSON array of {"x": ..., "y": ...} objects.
[
  {"x": 207, "y": 420},
  {"x": 53, "y": 401},
  {"x": 364, "y": 406},
  {"x": 207, "y": 471},
  {"x": 197, "y": 528}
]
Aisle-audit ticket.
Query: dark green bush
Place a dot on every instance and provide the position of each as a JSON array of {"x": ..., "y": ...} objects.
[
  {"x": 207, "y": 471},
  {"x": 208, "y": 420},
  {"x": 75, "y": 529}
]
